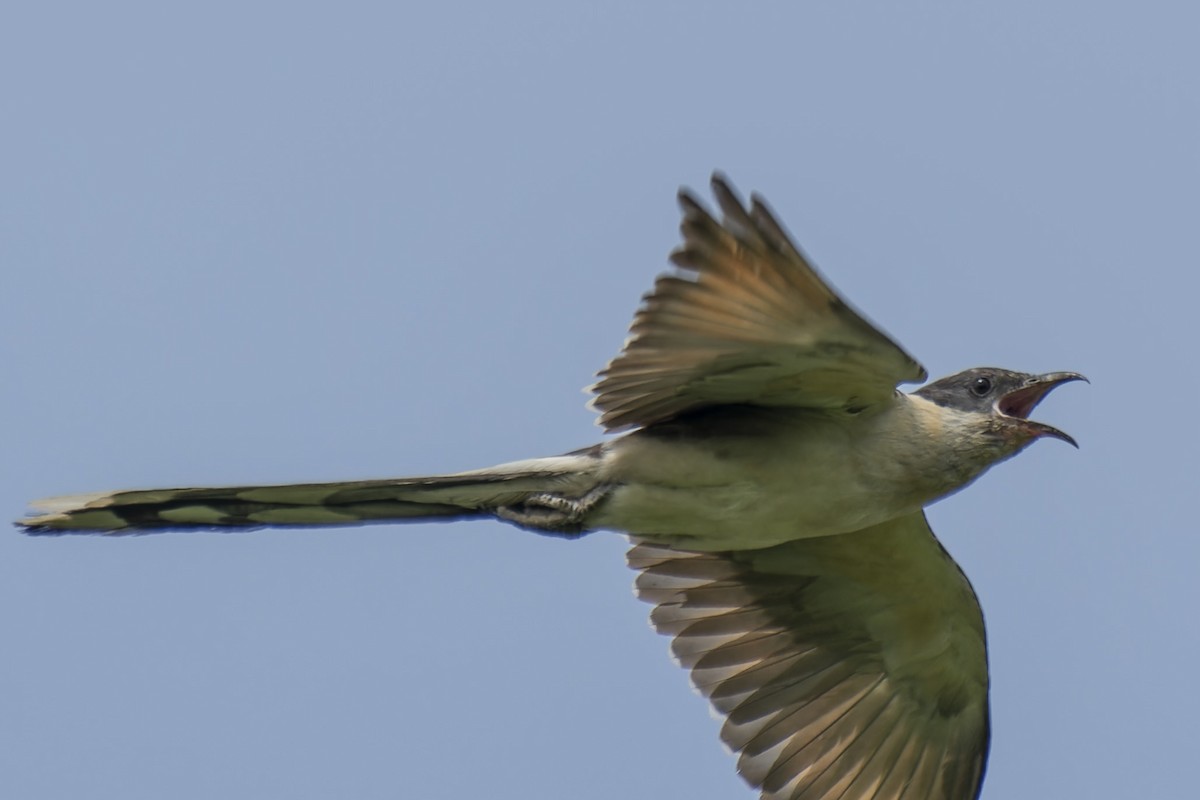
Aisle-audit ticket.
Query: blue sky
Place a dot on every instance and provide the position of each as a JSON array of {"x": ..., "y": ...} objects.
[{"x": 268, "y": 242}]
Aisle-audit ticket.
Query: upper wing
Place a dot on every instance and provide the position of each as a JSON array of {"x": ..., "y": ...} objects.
[
  {"x": 850, "y": 666},
  {"x": 748, "y": 320}
]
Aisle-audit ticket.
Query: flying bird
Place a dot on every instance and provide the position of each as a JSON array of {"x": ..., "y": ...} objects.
[{"x": 772, "y": 480}]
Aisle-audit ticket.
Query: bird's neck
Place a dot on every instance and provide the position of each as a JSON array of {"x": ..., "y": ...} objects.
[{"x": 940, "y": 449}]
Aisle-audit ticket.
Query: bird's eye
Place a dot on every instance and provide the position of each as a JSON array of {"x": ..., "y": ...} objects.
[{"x": 981, "y": 386}]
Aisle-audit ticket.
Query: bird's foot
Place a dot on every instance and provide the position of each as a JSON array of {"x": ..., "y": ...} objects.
[{"x": 553, "y": 514}]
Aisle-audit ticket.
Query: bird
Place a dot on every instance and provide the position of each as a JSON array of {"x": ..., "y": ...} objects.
[{"x": 772, "y": 479}]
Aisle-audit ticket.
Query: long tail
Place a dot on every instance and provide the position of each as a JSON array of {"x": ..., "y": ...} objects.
[{"x": 464, "y": 495}]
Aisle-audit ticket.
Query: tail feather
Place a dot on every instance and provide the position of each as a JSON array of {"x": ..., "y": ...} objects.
[{"x": 463, "y": 495}]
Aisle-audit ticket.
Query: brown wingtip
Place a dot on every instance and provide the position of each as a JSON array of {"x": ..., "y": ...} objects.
[
  {"x": 719, "y": 178},
  {"x": 729, "y": 201}
]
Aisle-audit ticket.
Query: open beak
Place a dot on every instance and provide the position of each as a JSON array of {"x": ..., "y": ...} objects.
[{"x": 1019, "y": 403}]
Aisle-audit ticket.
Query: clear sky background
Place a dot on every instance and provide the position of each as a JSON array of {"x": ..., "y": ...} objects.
[{"x": 275, "y": 242}]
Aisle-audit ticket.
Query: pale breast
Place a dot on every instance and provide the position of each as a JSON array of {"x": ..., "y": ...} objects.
[{"x": 760, "y": 477}]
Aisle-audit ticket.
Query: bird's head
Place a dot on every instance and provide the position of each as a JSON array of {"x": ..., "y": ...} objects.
[{"x": 1005, "y": 398}]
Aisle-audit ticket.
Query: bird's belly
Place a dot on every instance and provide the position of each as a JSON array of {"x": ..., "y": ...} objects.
[
  {"x": 741, "y": 494},
  {"x": 741, "y": 515}
]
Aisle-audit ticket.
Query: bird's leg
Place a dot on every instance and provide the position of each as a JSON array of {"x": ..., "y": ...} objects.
[{"x": 553, "y": 514}]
